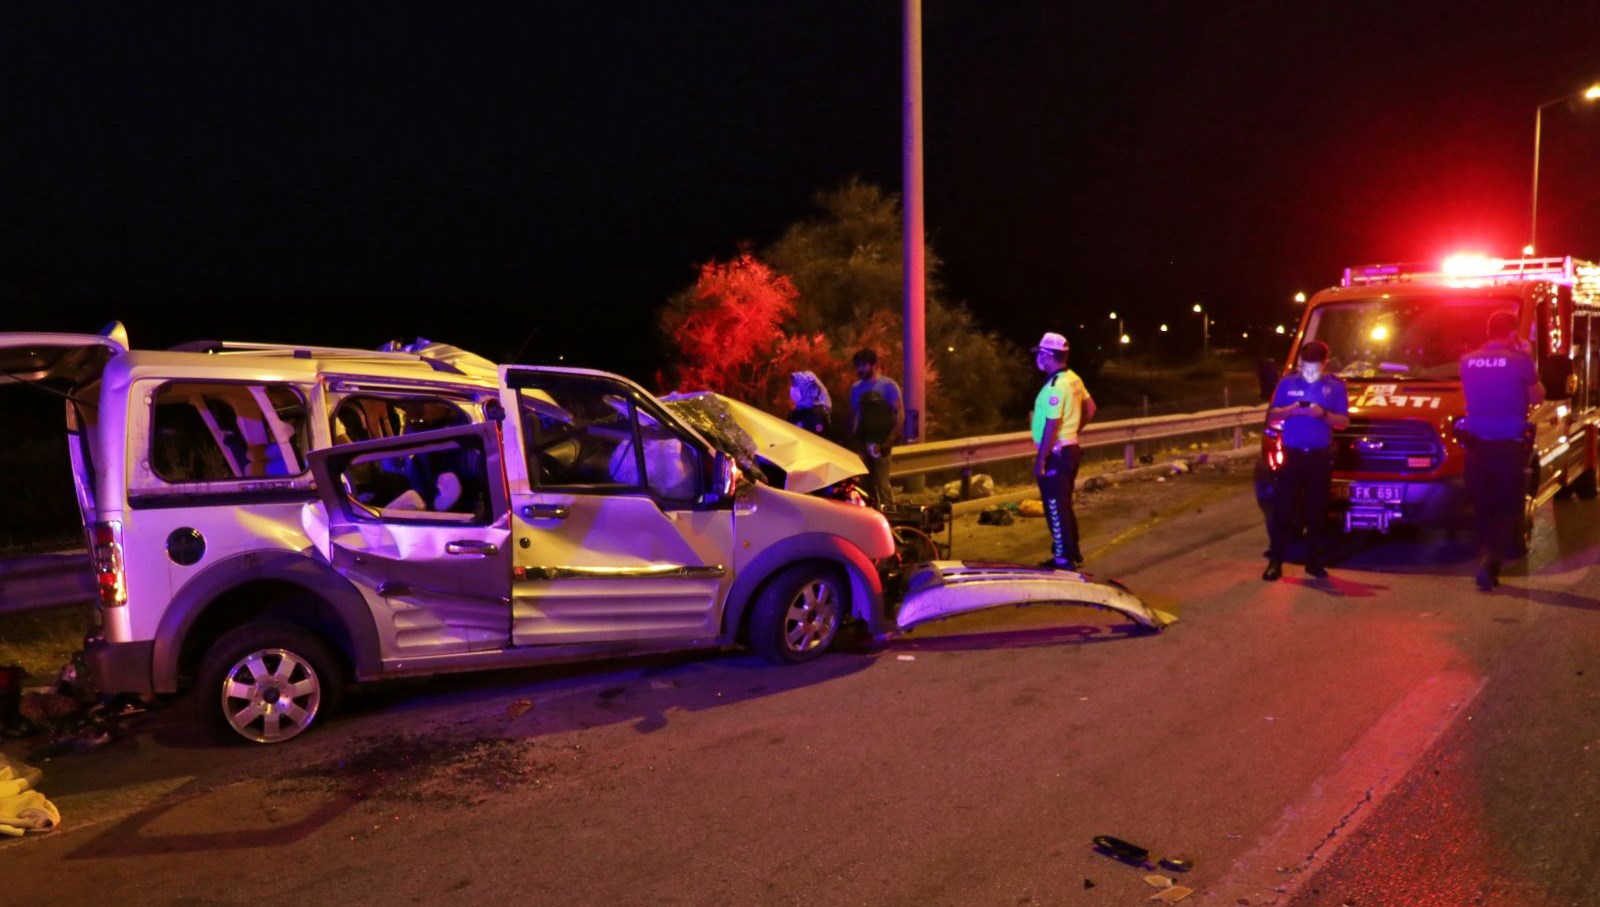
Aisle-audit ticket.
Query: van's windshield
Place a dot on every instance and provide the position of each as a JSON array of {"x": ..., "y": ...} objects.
[{"x": 1399, "y": 339}]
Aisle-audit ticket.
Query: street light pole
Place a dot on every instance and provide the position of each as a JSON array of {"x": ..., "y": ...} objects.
[
  {"x": 1588, "y": 94},
  {"x": 1205, "y": 331},
  {"x": 916, "y": 273}
]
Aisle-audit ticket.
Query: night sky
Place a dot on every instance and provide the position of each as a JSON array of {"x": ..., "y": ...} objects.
[{"x": 539, "y": 178}]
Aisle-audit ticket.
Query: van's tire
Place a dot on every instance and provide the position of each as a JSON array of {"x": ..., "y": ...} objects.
[
  {"x": 265, "y": 682},
  {"x": 798, "y": 614}
]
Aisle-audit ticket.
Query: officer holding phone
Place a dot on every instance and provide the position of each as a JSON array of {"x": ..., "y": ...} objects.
[{"x": 1311, "y": 405}]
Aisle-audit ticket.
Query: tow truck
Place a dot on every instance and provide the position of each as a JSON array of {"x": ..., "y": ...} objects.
[{"x": 1396, "y": 334}]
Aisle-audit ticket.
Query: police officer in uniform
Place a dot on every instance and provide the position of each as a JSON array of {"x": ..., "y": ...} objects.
[
  {"x": 1312, "y": 405},
  {"x": 1062, "y": 407},
  {"x": 1500, "y": 382}
]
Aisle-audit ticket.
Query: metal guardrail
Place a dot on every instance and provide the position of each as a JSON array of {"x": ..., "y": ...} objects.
[
  {"x": 54, "y": 580},
  {"x": 45, "y": 581},
  {"x": 964, "y": 453}
]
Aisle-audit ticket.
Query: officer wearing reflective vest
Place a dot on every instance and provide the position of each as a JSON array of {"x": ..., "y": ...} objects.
[
  {"x": 1500, "y": 382},
  {"x": 1312, "y": 405},
  {"x": 1062, "y": 407}
]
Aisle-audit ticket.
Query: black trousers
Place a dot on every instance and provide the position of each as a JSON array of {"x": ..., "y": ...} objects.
[
  {"x": 1055, "y": 489},
  {"x": 1300, "y": 501},
  {"x": 1497, "y": 480}
]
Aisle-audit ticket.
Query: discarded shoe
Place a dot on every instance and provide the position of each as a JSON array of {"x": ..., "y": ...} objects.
[{"x": 1274, "y": 571}]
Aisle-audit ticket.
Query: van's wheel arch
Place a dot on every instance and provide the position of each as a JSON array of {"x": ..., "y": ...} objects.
[
  {"x": 266, "y": 682},
  {"x": 798, "y": 613}
]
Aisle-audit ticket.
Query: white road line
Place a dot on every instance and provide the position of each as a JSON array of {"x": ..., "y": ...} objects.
[{"x": 1311, "y": 829}]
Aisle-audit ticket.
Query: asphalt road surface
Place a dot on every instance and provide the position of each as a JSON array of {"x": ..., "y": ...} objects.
[{"x": 1387, "y": 737}]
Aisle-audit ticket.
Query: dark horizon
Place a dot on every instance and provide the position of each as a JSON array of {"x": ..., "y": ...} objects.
[{"x": 341, "y": 177}]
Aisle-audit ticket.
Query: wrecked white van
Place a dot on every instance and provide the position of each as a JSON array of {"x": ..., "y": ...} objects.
[{"x": 268, "y": 523}]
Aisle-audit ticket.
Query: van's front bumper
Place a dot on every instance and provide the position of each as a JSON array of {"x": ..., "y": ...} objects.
[{"x": 120, "y": 667}]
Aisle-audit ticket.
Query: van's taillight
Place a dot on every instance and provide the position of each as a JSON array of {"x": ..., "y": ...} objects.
[{"x": 105, "y": 541}]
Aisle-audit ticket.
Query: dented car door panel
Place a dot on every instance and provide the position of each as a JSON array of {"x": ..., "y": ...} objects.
[{"x": 437, "y": 554}]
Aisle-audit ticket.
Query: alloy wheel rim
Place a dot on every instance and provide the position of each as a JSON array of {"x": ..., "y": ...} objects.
[
  {"x": 813, "y": 616},
  {"x": 271, "y": 695}
]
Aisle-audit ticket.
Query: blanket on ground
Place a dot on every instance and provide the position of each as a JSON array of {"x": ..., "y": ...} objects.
[{"x": 23, "y": 810}]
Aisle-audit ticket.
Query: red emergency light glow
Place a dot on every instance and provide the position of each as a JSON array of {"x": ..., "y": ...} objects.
[{"x": 1471, "y": 264}]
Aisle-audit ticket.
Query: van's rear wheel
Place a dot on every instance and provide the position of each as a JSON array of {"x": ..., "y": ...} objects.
[
  {"x": 266, "y": 683},
  {"x": 798, "y": 614}
]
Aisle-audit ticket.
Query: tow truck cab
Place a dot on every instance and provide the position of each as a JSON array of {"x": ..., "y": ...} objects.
[{"x": 1397, "y": 333}]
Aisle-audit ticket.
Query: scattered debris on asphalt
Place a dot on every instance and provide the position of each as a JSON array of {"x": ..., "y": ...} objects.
[
  {"x": 69, "y": 715},
  {"x": 1172, "y": 895},
  {"x": 1155, "y": 881},
  {"x": 981, "y": 485},
  {"x": 997, "y": 516},
  {"x": 519, "y": 708},
  {"x": 905, "y": 658}
]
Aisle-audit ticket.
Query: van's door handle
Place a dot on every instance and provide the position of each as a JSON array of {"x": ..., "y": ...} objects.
[
  {"x": 472, "y": 546},
  {"x": 546, "y": 512}
]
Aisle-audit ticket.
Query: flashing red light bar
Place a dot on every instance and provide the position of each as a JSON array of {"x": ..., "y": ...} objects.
[{"x": 1475, "y": 268}]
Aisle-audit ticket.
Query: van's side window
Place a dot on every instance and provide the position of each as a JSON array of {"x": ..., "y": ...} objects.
[
  {"x": 589, "y": 433},
  {"x": 204, "y": 432},
  {"x": 363, "y": 417},
  {"x": 442, "y": 482}
]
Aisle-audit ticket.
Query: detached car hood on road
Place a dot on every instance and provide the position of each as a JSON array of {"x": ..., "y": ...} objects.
[{"x": 809, "y": 461}]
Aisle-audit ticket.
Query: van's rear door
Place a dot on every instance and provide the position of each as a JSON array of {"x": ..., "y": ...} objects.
[
  {"x": 64, "y": 363},
  {"x": 74, "y": 360}
]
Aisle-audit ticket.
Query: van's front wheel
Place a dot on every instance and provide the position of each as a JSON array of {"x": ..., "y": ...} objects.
[
  {"x": 266, "y": 683},
  {"x": 798, "y": 614}
]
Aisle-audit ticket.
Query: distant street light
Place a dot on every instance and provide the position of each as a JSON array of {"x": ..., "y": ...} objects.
[
  {"x": 1278, "y": 329},
  {"x": 1163, "y": 329},
  {"x": 1122, "y": 338},
  {"x": 1125, "y": 340},
  {"x": 1588, "y": 94},
  {"x": 1300, "y": 299},
  {"x": 1205, "y": 330}
]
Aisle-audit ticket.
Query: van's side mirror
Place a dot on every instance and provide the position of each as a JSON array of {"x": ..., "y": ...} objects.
[
  {"x": 493, "y": 411},
  {"x": 1267, "y": 378},
  {"x": 724, "y": 479}
]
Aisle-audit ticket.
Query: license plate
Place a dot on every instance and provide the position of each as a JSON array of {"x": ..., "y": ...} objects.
[{"x": 1365, "y": 492}]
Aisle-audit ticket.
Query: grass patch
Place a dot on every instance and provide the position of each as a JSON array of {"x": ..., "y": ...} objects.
[{"x": 43, "y": 641}]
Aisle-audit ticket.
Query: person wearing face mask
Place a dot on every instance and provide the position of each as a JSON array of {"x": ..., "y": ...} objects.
[
  {"x": 813, "y": 408},
  {"x": 1312, "y": 406},
  {"x": 1062, "y": 407}
]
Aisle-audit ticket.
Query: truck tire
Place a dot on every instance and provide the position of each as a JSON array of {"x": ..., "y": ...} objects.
[
  {"x": 1524, "y": 535},
  {"x": 265, "y": 682},
  {"x": 1584, "y": 486},
  {"x": 798, "y": 614}
]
